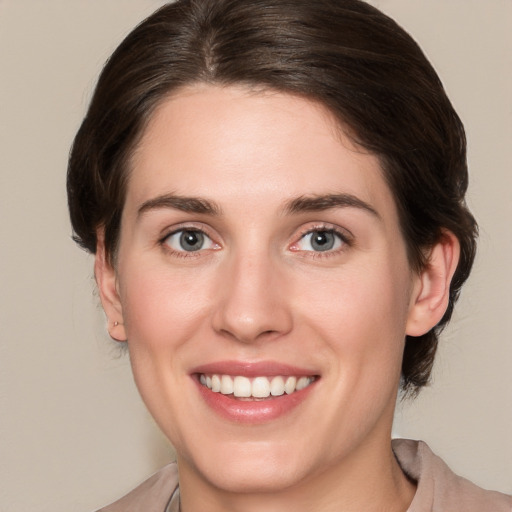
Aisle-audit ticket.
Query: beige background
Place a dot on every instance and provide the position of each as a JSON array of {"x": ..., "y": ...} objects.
[{"x": 73, "y": 433}]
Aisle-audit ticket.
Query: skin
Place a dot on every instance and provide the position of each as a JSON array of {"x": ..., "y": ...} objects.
[{"x": 258, "y": 290}]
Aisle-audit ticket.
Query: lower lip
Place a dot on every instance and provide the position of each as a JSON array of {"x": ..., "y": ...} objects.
[{"x": 253, "y": 412}]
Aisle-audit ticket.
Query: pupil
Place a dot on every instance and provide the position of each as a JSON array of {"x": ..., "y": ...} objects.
[
  {"x": 191, "y": 240},
  {"x": 322, "y": 241}
]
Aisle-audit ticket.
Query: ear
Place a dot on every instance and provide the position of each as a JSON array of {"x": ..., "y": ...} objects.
[
  {"x": 107, "y": 284},
  {"x": 430, "y": 297}
]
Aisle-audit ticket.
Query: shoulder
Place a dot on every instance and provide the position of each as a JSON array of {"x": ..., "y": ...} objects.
[
  {"x": 152, "y": 495},
  {"x": 438, "y": 488}
]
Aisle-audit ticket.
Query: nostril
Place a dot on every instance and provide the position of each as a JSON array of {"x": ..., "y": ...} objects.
[{"x": 249, "y": 336}]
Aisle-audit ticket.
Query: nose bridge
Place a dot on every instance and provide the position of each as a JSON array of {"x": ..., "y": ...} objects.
[{"x": 252, "y": 303}]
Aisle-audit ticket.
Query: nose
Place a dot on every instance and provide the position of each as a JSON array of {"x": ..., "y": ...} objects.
[{"x": 252, "y": 303}]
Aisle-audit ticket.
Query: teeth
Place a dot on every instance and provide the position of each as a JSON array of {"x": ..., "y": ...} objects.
[
  {"x": 241, "y": 387},
  {"x": 302, "y": 383},
  {"x": 226, "y": 385},
  {"x": 258, "y": 387},
  {"x": 277, "y": 386},
  {"x": 290, "y": 384},
  {"x": 215, "y": 383}
]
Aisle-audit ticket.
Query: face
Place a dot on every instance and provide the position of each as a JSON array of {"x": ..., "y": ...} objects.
[{"x": 264, "y": 288}]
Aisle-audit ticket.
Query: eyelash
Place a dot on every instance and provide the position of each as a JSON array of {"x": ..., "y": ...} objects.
[
  {"x": 163, "y": 242},
  {"x": 345, "y": 239}
]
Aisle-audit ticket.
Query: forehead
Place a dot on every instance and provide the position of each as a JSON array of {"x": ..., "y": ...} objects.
[{"x": 227, "y": 143}]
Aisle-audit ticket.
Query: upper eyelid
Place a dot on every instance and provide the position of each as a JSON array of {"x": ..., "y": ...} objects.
[
  {"x": 187, "y": 226},
  {"x": 327, "y": 226},
  {"x": 341, "y": 235}
]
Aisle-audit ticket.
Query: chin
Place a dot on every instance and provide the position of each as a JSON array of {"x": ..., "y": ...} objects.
[
  {"x": 252, "y": 469},
  {"x": 254, "y": 478}
]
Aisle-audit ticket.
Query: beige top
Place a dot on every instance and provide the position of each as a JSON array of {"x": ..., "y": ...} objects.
[{"x": 439, "y": 489}]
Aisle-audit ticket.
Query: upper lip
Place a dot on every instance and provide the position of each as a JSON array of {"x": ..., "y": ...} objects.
[{"x": 252, "y": 369}]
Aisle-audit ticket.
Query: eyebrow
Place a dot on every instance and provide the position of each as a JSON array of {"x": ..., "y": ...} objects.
[
  {"x": 182, "y": 203},
  {"x": 314, "y": 203},
  {"x": 326, "y": 202}
]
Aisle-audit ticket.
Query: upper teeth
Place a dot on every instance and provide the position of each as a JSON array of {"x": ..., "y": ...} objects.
[{"x": 258, "y": 387}]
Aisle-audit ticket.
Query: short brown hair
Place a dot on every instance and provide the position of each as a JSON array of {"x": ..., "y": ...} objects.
[{"x": 343, "y": 54}]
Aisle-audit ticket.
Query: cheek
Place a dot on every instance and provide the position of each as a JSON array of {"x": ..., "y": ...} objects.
[
  {"x": 162, "y": 315},
  {"x": 358, "y": 301},
  {"x": 359, "y": 317},
  {"x": 161, "y": 308}
]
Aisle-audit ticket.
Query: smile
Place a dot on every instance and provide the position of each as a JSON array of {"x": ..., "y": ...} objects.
[
  {"x": 257, "y": 387},
  {"x": 254, "y": 393}
]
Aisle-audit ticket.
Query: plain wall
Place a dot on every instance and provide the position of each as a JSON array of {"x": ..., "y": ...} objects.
[{"x": 73, "y": 432}]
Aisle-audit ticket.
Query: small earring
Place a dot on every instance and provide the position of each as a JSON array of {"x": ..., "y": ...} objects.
[{"x": 116, "y": 324}]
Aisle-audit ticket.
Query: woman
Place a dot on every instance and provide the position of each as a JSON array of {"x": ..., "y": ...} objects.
[{"x": 274, "y": 191}]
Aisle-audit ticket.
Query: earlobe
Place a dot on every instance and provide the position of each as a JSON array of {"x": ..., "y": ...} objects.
[
  {"x": 107, "y": 285},
  {"x": 431, "y": 294}
]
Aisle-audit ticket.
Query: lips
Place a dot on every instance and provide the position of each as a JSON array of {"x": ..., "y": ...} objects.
[{"x": 253, "y": 392}]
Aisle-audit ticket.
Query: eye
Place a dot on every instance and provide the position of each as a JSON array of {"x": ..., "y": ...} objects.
[
  {"x": 189, "y": 240},
  {"x": 320, "y": 240}
]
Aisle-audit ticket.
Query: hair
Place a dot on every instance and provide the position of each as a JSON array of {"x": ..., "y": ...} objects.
[{"x": 343, "y": 54}]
